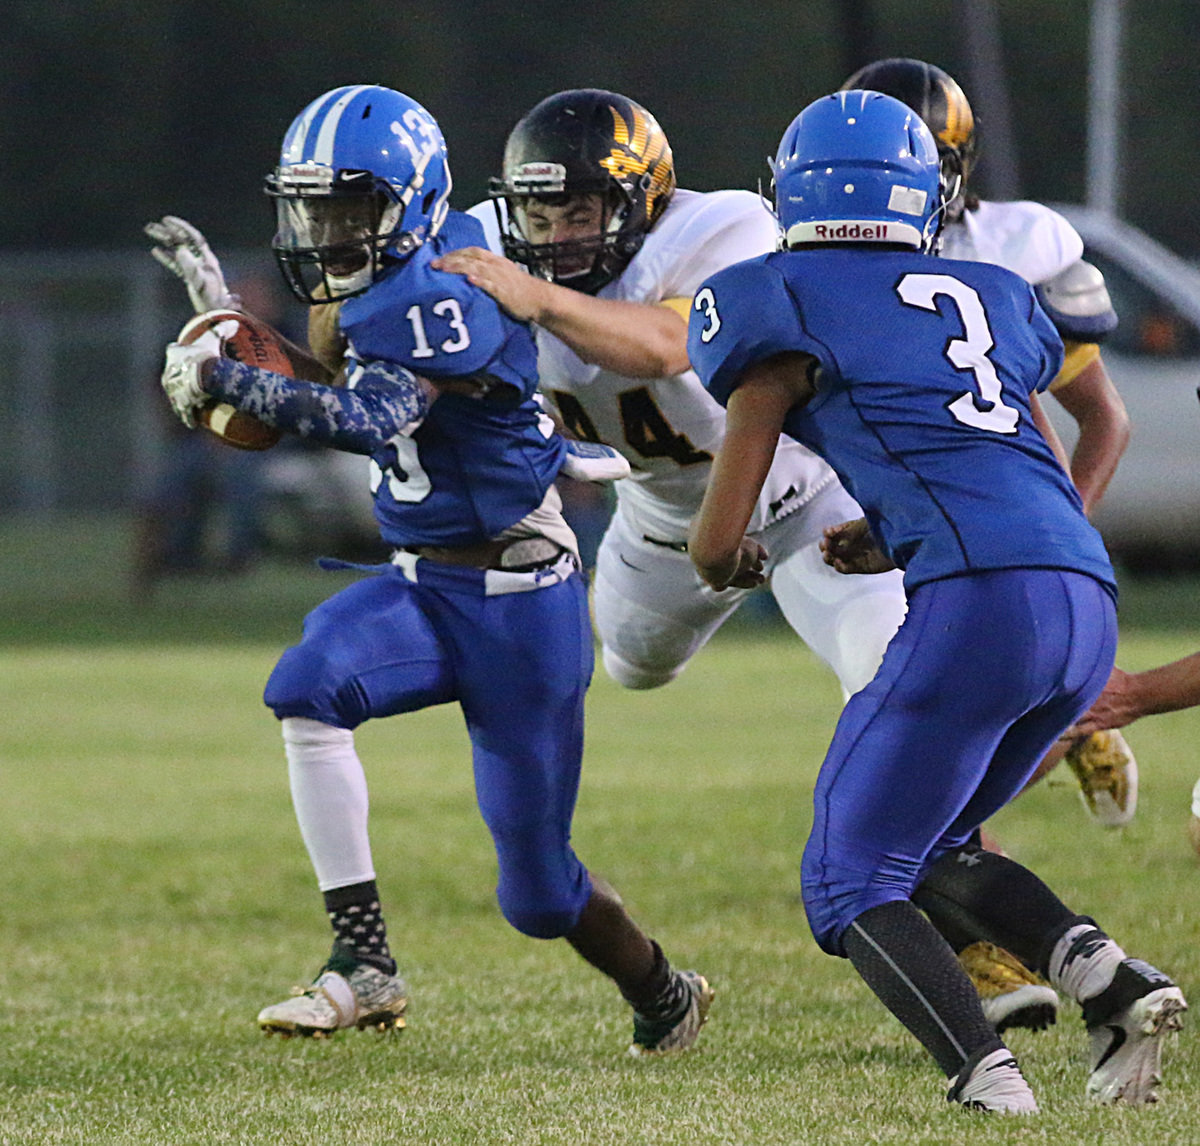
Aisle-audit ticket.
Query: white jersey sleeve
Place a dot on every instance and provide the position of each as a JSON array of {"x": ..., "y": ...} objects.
[
  {"x": 1027, "y": 238},
  {"x": 485, "y": 212}
]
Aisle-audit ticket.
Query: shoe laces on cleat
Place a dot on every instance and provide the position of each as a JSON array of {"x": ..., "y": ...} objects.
[{"x": 678, "y": 1029}]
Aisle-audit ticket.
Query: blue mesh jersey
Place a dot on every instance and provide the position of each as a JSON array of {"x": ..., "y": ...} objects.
[
  {"x": 922, "y": 404},
  {"x": 476, "y": 465}
]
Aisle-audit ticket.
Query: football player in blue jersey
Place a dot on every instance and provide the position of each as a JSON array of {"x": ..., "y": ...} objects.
[
  {"x": 482, "y": 603},
  {"x": 915, "y": 377},
  {"x": 1044, "y": 249}
]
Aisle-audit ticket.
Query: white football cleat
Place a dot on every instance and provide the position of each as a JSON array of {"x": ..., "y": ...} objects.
[
  {"x": 1011, "y": 995},
  {"x": 1126, "y": 1044},
  {"x": 1107, "y": 775},
  {"x": 364, "y": 997},
  {"x": 676, "y": 1032},
  {"x": 993, "y": 1083}
]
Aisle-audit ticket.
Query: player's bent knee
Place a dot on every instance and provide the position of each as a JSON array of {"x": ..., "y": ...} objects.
[
  {"x": 632, "y": 676},
  {"x": 299, "y": 686},
  {"x": 542, "y": 891},
  {"x": 540, "y": 922},
  {"x": 835, "y": 895}
]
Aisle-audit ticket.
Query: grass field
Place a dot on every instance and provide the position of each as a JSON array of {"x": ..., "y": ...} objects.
[{"x": 156, "y": 895}]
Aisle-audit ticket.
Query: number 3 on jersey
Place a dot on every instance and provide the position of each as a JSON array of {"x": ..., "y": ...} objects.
[{"x": 968, "y": 353}]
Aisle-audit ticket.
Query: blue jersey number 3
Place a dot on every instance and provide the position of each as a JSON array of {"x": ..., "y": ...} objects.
[{"x": 968, "y": 353}]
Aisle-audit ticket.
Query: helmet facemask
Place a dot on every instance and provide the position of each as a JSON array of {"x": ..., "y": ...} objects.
[
  {"x": 586, "y": 262},
  {"x": 332, "y": 234},
  {"x": 362, "y": 182},
  {"x": 583, "y": 143}
]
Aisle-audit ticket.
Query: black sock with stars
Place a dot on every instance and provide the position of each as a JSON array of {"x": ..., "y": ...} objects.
[{"x": 360, "y": 934}]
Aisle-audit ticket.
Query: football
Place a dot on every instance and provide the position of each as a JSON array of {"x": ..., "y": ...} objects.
[{"x": 244, "y": 339}]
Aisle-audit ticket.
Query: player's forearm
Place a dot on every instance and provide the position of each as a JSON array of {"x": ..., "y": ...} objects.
[
  {"x": 715, "y": 536},
  {"x": 1168, "y": 688},
  {"x": 630, "y": 338},
  {"x": 734, "y": 484},
  {"x": 383, "y": 403},
  {"x": 1094, "y": 462}
]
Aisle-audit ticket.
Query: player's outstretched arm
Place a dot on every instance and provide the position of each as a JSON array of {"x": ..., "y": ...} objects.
[
  {"x": 639, "y": 340},
  {"x": 1130, "y": 696}
]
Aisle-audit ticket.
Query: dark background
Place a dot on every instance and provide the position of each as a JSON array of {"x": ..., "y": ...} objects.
[{"x": 116, "y": 112}]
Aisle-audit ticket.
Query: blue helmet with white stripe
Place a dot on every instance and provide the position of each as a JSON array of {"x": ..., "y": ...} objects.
[
  {"x": 858, "y": 167},
  {"x": 362, "y": 179}
]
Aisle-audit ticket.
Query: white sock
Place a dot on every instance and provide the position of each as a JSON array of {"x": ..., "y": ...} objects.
[
  {"x": 1196, "y": 800},
  {"x": 1083, "y": 962},
  {"x": 329, "y": 793}
]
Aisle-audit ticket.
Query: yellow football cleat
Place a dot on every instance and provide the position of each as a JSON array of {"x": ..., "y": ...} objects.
[
  {"x": 1107, "y": 775},
  {"x": 1011, "y": 994}
]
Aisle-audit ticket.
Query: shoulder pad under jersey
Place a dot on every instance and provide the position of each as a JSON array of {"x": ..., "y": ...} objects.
[{"x": 1077, "y": 302}]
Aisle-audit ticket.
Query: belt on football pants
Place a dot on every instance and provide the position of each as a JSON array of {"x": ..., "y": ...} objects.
[{"x": 512, "y": 555}]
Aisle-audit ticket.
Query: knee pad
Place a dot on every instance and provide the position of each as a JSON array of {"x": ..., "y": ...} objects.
[{"x": 633, "y": 676}]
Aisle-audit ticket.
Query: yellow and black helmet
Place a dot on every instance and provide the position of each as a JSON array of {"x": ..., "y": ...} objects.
[
  {"x": 580, "y": 142},
  {"x": 936, "y": 97}
]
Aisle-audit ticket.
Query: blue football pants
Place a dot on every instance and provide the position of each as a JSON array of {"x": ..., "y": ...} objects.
[
  {"x": 980, "y": 680},
  {"x": 518, "y": 664}
]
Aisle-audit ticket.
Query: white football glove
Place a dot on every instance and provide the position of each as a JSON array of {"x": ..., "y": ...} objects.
[
  {"x": 593, "y": 461},
  {"x": 181, "y": 375},
  {"x": 185, "y": 252}
]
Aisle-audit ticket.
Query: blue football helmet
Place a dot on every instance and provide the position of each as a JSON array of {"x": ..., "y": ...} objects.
[
  {"x": 362, "y": 179},
  {"x": 858, "y": 167}
]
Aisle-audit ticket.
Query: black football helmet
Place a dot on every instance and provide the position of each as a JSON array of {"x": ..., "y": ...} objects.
[
  {"x": 580, "y": 142},
  {"x": 936, "y": 97}
]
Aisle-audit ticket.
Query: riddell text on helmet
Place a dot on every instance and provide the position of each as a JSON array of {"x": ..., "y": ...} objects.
[{"x": 868, "y": 232}]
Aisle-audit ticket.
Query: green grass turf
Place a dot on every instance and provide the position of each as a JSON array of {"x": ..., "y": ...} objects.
[{"x": 156, "y": 895}]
